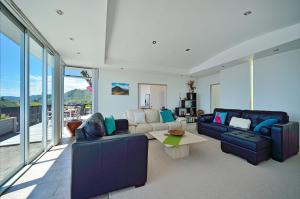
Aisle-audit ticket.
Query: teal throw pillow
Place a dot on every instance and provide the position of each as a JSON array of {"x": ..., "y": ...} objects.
[
  {"x": 267, "y": 123},
  {"x": 167, "y": 116},
  {"x": 110, "y": 125}
]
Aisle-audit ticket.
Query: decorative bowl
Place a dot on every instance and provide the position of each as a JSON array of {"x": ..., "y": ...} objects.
[{"x": 176, "y": 132}]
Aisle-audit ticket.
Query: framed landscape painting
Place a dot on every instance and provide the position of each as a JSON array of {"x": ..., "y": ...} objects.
[{"x": 120, "y": 88}]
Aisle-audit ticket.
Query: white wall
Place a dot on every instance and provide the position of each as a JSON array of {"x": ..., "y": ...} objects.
[
  {"x": 277, "y": 83},
  {"x": 235, "y": 87},
  {"x": 117, "y": 105},
  {"x": 203, "y": 91}
]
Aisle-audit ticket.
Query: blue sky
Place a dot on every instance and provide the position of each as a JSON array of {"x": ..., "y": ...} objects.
[
  {"x": 10, "y": 71},
  {"x": 11, "y": 66}
]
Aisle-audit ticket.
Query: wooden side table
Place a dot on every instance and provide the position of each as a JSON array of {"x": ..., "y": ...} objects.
[{"x": 73, "y": 125}]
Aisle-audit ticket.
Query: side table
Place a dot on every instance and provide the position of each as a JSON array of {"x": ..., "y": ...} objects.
[{"x": 73, "y": 125}]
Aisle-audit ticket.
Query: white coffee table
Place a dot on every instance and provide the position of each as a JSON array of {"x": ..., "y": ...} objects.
[{"x": 182, "y": 150}]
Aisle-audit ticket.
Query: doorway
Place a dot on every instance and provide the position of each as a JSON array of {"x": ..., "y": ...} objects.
[
  {"x": 214, "y": 96},
  {"x": 152, "y": 96},
  {"x": 80, "y": 95}
]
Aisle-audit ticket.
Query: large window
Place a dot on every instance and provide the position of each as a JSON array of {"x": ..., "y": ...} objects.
[
  {"x": 26, "y": 96},
  {"x": 11, "y": 48}
]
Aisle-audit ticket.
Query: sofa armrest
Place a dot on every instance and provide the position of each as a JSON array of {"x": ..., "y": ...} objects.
[
  {"x": 121, "y": 124},
  {"x": 108, "y": 164},
  {"x": 207, "y": 118},
  {"x": 285, "y": 140}
]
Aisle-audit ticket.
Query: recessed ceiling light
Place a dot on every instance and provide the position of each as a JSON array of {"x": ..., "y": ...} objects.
[
  {"x": 248, "y": 12},
  {"x": 154, "y": 42},
  {"x": 187, "y": 49},
  {"x": 59, "y": 12},
  {"x": 276, "y": 50},
  {"x": 71, "y": 38}
]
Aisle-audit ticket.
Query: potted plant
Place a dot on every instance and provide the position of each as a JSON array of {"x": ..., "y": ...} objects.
[
  {"x": 191, "y": 86},
  {"x": 7, "y": 124}
]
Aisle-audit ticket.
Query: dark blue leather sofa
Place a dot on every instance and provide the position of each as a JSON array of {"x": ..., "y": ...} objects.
[
  {"x": 104, "y": 164},
  {"x": 279, "y": 141}
]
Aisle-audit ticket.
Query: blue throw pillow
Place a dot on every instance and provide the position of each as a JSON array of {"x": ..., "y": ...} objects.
[
  {"x": 220, "y": 117},
  {"x": 110, "y": 125},
  {"x": 167, "y": 116},
  {"x": 267, "y": 123}
]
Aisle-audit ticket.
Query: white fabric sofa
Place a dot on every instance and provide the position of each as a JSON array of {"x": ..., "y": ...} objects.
[{"x": 153, "y": 122}]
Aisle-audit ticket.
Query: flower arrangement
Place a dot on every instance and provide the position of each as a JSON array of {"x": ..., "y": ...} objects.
[{"x": 191, "y": 86}]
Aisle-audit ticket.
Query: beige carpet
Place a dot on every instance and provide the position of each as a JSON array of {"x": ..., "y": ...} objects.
[{"x": 209, "y": 173}]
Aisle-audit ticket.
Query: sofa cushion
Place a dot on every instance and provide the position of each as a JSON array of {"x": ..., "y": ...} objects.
[
  {"x": 246, "y": 140},
  {"x": 240, "y": 123},
  {"x": 97, "y": 118},
  {"x": 110, "y": 125},
  {"x": 139, "y": 117},
  {"x": 92, "y": 130},
  {"x": 220, "y": 117},
  {"x": 266, "y": 131},
  {"x": 152, "y": 115},
  {"x": 158, "y": 126},
  {"x": 167, "y": 116},
  {"x": 257, "y": 117},
  {"x": 215, "y": 127},
  {"x": 130, "y": 114},
  {"x": 174, "y": 125},
  {"x": 267, "y": 123},
  {"x": 230, "y": 113},
  {"x": 143, "y": 128}
]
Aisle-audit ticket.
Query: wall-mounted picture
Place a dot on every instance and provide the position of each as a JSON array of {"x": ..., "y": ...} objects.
[{"x": 120, "y": 88}]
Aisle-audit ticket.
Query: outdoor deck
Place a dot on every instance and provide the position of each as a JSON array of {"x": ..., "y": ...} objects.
[{"x": 10, "y": 150}]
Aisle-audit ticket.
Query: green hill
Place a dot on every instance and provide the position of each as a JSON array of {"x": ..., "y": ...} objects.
[{"x": 78, "y": 96}]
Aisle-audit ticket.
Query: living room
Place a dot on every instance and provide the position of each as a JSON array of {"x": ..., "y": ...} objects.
[{"x": 149, "y": 99}]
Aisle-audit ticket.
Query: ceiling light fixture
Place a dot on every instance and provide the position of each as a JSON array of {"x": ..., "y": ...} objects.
[
  {"x": 59, "y": 12},
  {"x": 71, "y": 38},
  {"x": 276, "y": 50},
  {"x": 187, "y": 49},
  {"x": 154, "y": 42},
  {"x": 248, "y": 12}
]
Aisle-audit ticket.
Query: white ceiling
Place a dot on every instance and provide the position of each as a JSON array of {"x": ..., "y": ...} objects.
[
  {"x": 83, "y": 21},
  {"x": 122, "y": 34}
]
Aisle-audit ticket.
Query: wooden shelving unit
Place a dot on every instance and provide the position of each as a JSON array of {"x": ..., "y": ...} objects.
[{"x": 188, "y": 107}]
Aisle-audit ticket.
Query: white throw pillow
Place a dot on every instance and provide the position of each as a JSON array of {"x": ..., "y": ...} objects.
[
  {"x": 240, "y": 123},
  {"x": 152, "y": 115},
  {"x": 139, "y": 117}
]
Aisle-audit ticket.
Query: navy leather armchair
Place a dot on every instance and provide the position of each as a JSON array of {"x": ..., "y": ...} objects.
[{"x": 108, "y": 163}]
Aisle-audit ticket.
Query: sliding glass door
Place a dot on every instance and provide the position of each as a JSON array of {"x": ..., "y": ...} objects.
[
  {"x": 26, "y": 96},
  {"x": 35, "y": 98},
  {"x": 50, "y": 99},
  {"x": 11, "y": 63}
]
